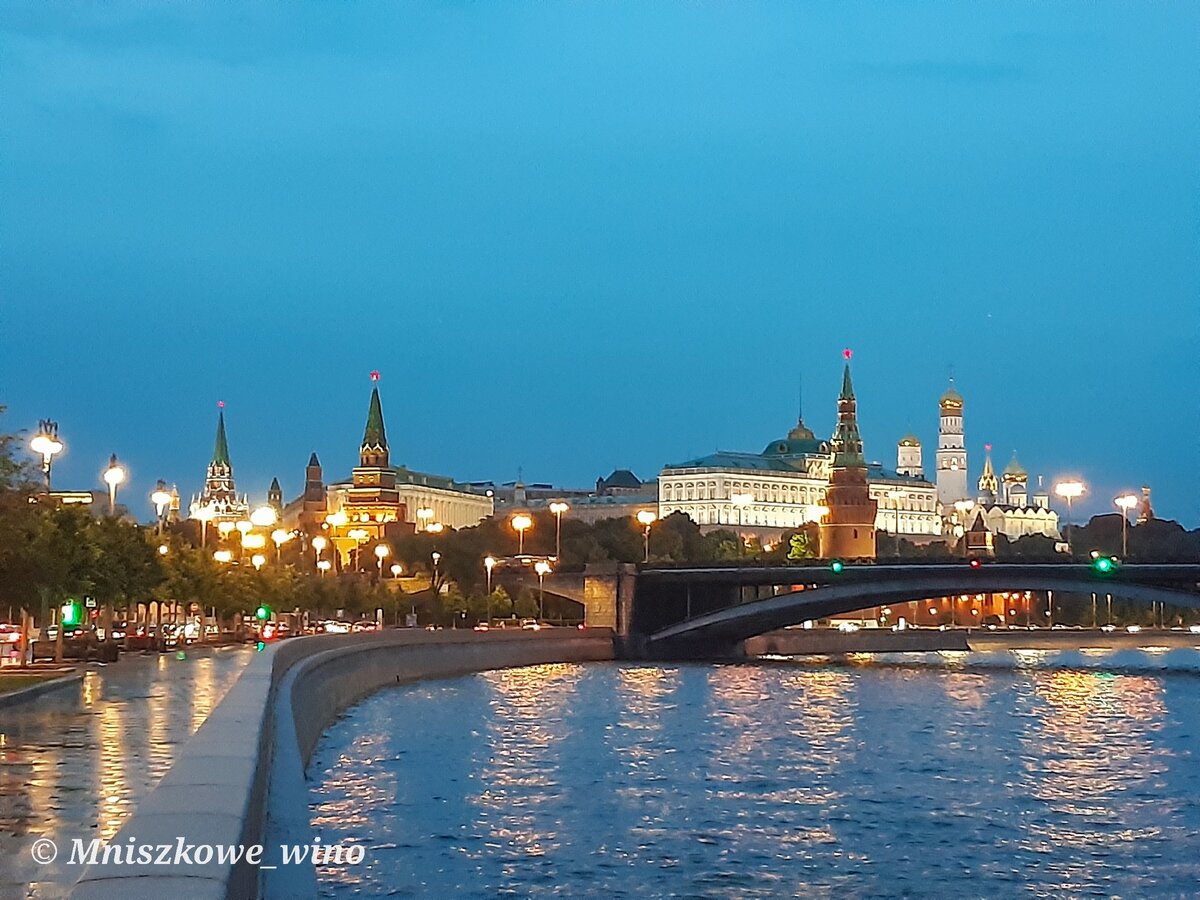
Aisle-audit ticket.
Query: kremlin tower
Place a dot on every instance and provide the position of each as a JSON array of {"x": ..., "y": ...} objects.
[
  {"x": 848, "y": 529},
  {"x": 219, "y": 495},
  {"x": 371, "y": 501},
  {"x": 951, "y": 452}
]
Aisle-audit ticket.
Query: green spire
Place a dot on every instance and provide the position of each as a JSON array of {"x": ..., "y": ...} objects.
[
  {"x": 375, "y": 436},
  {"x": 221, "y": 450},
  {"x": 847, "y": 442},
  {"x": 847, "y": 388}
]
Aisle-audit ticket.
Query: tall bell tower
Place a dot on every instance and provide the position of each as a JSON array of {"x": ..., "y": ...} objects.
[{"x": 951, "y": 451}]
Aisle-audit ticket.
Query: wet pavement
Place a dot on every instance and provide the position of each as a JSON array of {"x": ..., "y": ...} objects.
[{"x": 75, "y": 764}]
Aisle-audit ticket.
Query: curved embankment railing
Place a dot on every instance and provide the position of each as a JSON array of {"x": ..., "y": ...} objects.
[{"x": 239, "y": 781}]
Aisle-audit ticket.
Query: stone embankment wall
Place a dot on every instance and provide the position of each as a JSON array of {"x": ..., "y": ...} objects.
[{"x": 240, "y": 779}]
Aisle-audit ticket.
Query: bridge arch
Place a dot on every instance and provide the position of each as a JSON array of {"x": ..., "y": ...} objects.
[{"x": 719, "y": 631}]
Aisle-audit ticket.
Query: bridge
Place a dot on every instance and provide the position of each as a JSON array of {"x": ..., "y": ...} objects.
[{"x": 707, "y": 611}]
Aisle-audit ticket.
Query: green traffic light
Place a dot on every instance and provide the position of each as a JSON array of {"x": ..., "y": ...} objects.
[
  {"x": 1104, "y": 564},
  {"x": 262, "y": 613},
  {"x": 70, "y": 613},
  {"x": 836, "y": 567}
]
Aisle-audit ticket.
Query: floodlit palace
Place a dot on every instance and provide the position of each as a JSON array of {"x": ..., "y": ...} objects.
[{"x": 788, "y": 484}]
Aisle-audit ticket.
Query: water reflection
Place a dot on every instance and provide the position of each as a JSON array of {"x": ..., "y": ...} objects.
[
  {"x": 77, "y": 768},
  {"x": 867, "y": 779}
]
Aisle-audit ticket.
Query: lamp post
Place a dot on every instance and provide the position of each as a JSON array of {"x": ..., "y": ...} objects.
[
  {"x": 1069, "y": 490},
  {"x": 161, "y": 498},
  {"x": 558, "y": 507},
  {"x": 323, "y": 566},
  {"x": 437, "y": 558},
  {"x": 113, "y": 476},
  {"x": 520, "y": 523},
  {"x": 396, "y": 570},
  {"x": 46, "y": 444},
  {"x": 741, "y": 501},
  {"x": 203, "y": 514},
  {"x": 359, "y": 536},
  {"x": 962, "y": 507},
  {"x": 647, "y": 518},
  {"x": 280, "y": 537},
  {"x": 319, "y": 544},
  {"x": 424, "y": 514},
  {"x": 263, "y": 517},
  {"x": 258, "y": 561},
  {"x": 382, "y": 552},
  {"x": 543, "y": 569},
  {"x": 489, "y": 563},
  {"x": 896, "y": 496},
  {"x": 1125, "y": 502}
]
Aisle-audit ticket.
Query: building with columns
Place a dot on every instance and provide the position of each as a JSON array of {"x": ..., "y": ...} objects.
[{"x": 785, "y": 486}]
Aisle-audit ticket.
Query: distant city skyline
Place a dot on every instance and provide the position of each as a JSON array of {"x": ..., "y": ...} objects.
[
  {"x": 577, "y": 238},
  {"x": 255, "y": 468}
]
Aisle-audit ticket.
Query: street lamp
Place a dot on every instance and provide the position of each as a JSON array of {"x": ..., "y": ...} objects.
[
  {"x": 359, "y": 536},
  {"x": 1126, "y": 502},
  {"x": 489, "y": 563},
  {"x": 962, "y": 507},
  {"x": 337, "y": 519},
  {"x": 223, "y": 556},
  {"x": 896, "y": 496},
  {"x": 258, "y": 560},
  {"x": 424, "y": 514},
  {"x": 521, "y": 522},
  {"x": 436, "y": 557},
  {"x": 741, "y": 501},
  {"x": 543, "y": 569},
  {"x": 396, "y": 570},
  {"x": 381, "y": 553},
  {"x": 263, "y": 517},
  {"x": 1069, "y": 490},
  {"x": 203, "y": 514},
  {"x": 558, "y": 507},
  {"x": 161, "y": 498},
  {"x": 435, "y": 527},
  {"x": 46, "y": 444},
  {"x": 319, "y": 544},
  {"x": 647, "y": 518},
  {"x": 113, "y": 476},
  {"x": 280, "y": 537},
  {"x": 323, "y": 566}
]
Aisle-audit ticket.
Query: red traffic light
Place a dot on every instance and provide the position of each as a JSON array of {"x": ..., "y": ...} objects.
[{"x": 975, "y": 564}]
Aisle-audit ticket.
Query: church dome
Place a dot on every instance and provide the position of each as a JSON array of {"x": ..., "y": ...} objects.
[
  {"x": 951, "y": 398},
  {"x": 799, "y": 441},
  {"x": 1014, "y": 469},
  {"x": 910, "y": 440},
  {"x": 801, "y": 432}
]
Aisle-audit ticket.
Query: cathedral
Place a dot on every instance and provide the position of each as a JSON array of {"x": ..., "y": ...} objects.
[{"x": 1001, "y": 505}]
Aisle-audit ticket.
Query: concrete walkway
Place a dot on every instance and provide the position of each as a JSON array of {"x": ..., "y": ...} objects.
[{"x": 74, "y": 767}]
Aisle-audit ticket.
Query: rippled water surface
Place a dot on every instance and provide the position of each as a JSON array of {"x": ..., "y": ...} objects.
[{"x": 1015, "y": 778}]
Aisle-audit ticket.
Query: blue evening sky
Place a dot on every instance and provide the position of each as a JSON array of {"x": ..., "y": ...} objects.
[{"x": 579, "y": 236}]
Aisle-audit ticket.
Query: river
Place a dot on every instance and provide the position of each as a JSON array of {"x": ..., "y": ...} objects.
[{"x": 993, "y": 775}]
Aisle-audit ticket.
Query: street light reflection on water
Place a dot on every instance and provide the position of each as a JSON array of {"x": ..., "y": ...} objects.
[
  {"x": 942, "y": 778},
  {"x": 76, "y": 767}
]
